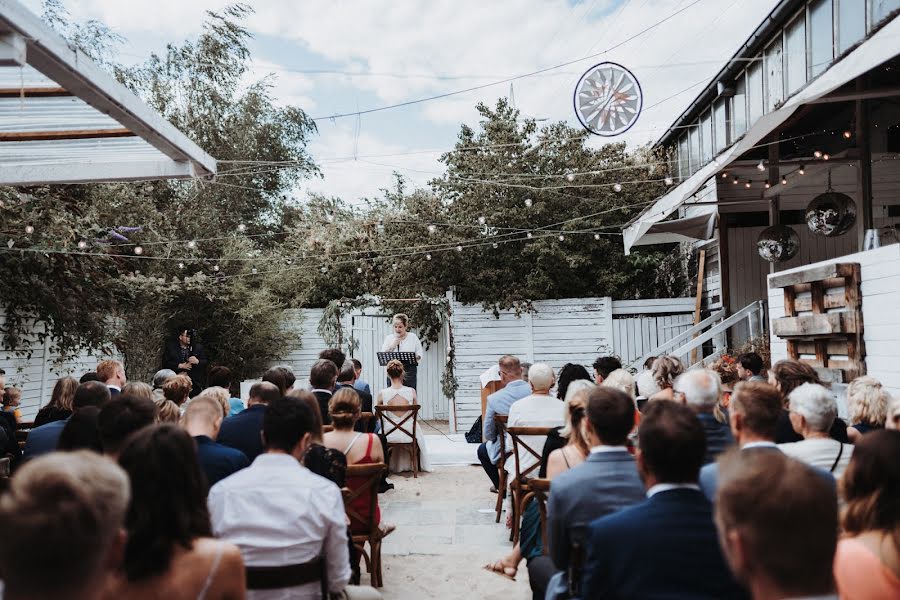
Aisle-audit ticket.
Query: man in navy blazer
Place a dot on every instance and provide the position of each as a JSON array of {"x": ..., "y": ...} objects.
[
  {"x": 202, "y": 420},
  {"x": 666, "y": 546},
  {"x": 243, "y": 431},
  {"x": 43, "y": 439},
  {"x": 604, "y": 483}
]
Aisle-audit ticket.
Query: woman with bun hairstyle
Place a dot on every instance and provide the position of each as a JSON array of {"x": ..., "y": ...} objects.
[
  {"x": 359, "y": 448},
  {"x": 400, "y": 394},
  {"x": 403, "y": 340}
]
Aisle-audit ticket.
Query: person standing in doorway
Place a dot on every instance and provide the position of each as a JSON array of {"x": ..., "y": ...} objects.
[
  {"x": 403, "y": 340},
  {"x": 186, "y": 356}
]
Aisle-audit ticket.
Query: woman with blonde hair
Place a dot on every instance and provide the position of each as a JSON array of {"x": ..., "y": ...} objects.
[
  {"x": 867, "y": 561},
  {"x": 167, "y": 412},
  {"x": 666, "y": 370},
  {"x": 221, "y": 395},
  {"x": 621, "y": 380},
  {"x": 403, "y": 340},
  {"x": 139, "y": 389},
  {"x": 867, "y": 403},
  {"x": 177, "y": 389},
  {"x": 60, "y": 406},
  {"x": 399, "y": 394}
]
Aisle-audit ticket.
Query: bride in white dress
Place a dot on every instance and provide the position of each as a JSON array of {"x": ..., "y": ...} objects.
[{"x": 399, "y": 394}]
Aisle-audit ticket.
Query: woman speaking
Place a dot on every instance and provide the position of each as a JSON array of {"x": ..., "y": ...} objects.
[{"x": 403, "y": 340}]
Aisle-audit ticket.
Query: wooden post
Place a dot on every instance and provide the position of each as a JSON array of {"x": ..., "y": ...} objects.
[
  {"x": 864, "y": 181},
  {"x": 701, "y": 268}
]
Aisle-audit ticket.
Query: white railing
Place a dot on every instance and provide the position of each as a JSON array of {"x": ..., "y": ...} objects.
[{"x": 713, "y": 328}]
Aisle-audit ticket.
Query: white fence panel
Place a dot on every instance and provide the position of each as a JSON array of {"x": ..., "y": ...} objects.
[{"x": 639, "y": 326}]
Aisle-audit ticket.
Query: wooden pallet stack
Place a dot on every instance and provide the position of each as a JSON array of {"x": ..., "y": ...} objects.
[{"x": 823, "y": 323}]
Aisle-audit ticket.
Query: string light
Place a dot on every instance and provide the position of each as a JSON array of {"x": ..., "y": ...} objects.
[
  {"x": 669, "y": 181},
  {"x": 324, "y": 269},
  {"x": 826, "y": 156},
  {"x": 427, "y": 257},
  {"x": 482, "y": 220},
  {"x": 767, "y": 184},
  {"x": 570, "y": 177},
  {"x": 82, "y": 244},
  {"x": 459, "y": 248},
  {"x": 529, "y": 235},
  {"x": 724, "y": 174},
  {"x": 29, "y": 229},
  {"x": 242, "y": 228},
  {"x": 495, "y": 245},
  {"x": 761, "y": 166},
  {"x": 734, "y": 181},
  {"x": 817, "y": 154},
  {"x": 783, "y": 180},
  {"x": 748, "y": 184},
  {"x": 847, "y": 135},
  {"x": 181, "y": 265},
  {"x": 617, "y": 187},
  {"x": 432, "y": 229},
  {"x": 216, "y": 268},
  {"x": 802, "y": 170},
  {"x": 597, "y": 236},
  {"x": 528, "y": 202},
  {"x": 138, "y": 250},
  {"x": 394, "y": 266},
  {"x": 192, "y": 244},
  {"x": 254, "y": 271},
  {"x": 359, "y": 270},
  {"x": 562, "y": 238}
]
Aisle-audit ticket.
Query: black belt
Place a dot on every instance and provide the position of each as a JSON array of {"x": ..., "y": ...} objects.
[{"x": 271, "y": 578}]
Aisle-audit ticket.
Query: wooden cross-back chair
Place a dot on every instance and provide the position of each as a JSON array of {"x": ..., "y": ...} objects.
[
  {"x": 539, "y": 491},
  {"x": 22, "y": 430},
  {"x": 391, "y": 422},
  {"x": 520, "y": 485},
  {"x": 500, "y": 426},
  {"x": 371, "y": 475},
  {"x": 365, "y": 419}
]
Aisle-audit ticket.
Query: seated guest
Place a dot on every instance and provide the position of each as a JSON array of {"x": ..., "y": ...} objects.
[
  {"x": 140, "y": 389},
  {"x": 112, "y": 373},
  {"x": 167, "y": 412},
  {"x": 347, "y": 378},
  {"x": 161, "y": 377},
  {"x": 278, "y": 512},
  {"x": 241, "y": 431},
  {"x": 360, "y": 384},
  {"x": 603, "y": 366},
  {"x": 120, "y": 417},
  {"x": 753, "y": 414},
  {"x": 621, "y": 380},
  {"x": 43, "y": 439},
  {"x": 398, "y": 395},
  {"x": 323, "y": 378},
  {"x": 289, "y": 378},
  {"x": 665, "y": 370},
  {"x": 514, "y": 388},
  {"x": 275, "y": 376},
  {"x": 539, "y": 409},
  {"x": 750, "y": 366},
  {"x": 321, "y": 460},
  {"x": 60, "y": 405},
  {"x": 893, "y": 413},
  {"x": 171, "y": 552},
  {"x": 787, "y": 375},
  {"x": 777, "y": 523},
  {"x": 813, "y": 411},
  {"x": 359, "y": 448},
  {"x": 12, "y": 398},
  {"x": 867, "y": 564},
  {"x": 62, "y": 519},
  {"x": 665, "y": 546},
  {"x": 202, "y": 420},
  {"x": 220, "y": 395},
  {"x": 700, "y": 389},
  {"x": 334, "y": 355},
  {"x": 570, "y": 372},
  {"x": 557, "y": 457},
  {"x": 177, "y": 389},
  {"x": 221, "y": 377},
  {"x": 606, "y": 482},
  {"x": 726, "y": 369},
  {"x": 82, "y": 431},
  {"x": 645, "y": 382},
  {"x": 867, "y": 404}
]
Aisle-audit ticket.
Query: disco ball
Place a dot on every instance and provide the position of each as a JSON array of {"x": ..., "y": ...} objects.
[
  {"x": 778, "y": 243},
  {"x": 831, "y": 214}
]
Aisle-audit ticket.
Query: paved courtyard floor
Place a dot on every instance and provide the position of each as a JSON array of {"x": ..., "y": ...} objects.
[{"x": 445, "y": 534}]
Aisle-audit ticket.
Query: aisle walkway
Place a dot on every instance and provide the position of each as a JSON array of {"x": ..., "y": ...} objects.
[{"x": 445, "y": 534}]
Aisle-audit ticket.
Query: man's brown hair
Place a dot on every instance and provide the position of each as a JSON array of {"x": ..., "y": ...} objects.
[
  {"x": 760, "y": 406},
  {"x": 786, "y": 516},
  {"x": 177, "y": 388},
  {"x": 106, "y": 370},
  {"x": 323, "y": 374},
  {"x": 510, "y": 363}
]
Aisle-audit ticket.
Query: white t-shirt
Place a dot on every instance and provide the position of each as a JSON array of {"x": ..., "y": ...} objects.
[
  {"x": 533, "y": 411},
  {"x": 820, "y": 452},
  {"x": 410, "y": 343}
]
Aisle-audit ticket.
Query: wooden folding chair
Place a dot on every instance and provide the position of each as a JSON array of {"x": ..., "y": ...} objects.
[
  {"x": 391, "y": 422},
  {"x": 538, "y": 491},
  {"x": 500, "y": 426},
  {"x": 372, "y": 535},
  {"x": 364, "y": 419},
  {"x": 520, "y": 486}
]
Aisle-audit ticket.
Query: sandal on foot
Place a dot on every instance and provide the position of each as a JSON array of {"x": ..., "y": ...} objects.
[
  {"x": 386, "y": 530},
  {"x": 498, "y": 568}
]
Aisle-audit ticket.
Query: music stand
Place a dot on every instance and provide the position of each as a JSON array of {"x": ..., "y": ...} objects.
[{"x": 407, "y": 358}]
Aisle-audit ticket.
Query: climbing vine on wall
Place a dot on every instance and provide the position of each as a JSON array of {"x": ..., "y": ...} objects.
[{"x": 427, "y": 315}]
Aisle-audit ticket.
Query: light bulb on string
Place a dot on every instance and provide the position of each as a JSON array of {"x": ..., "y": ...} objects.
[
  {"x": 394, "y": 266},
  {"x": 82, "y": 244},
  {"x": 734, "y": 181},
  {"x": 528, "y": 202},
  {"x": 617, "y": 187},
  {"x": 138, "y": 250},
  {"x": 482, "y": 220},
  {"x": 802, "y": 170},
  {"x": 29, "y": 229},
  {"x": 596, "y": 236},
  {"x": 359, "y": 270},
  {"x": 427, "y": 257},
  {"x": 761, "y": 166},
  {"x": 459, "y": 248},
  {"x": 324, "y": 269},
  {"x": 847, "y": 135},
  {"x": 242, "y": 228},
  {"x": 748, "y": 184},
  {"x": 767, "y": 184},
  {"x": 724, "y": 175},
  {"x": 254, "y": 271},
  {"x": 570, "y": 177},
  {"x": 562, "y": 238},
  {"x": 192, "y": 244},
  {"x": 669, "y": 181},
  {"x": 181, "y": 265},
  {"x": 826, "y": 156},
  {"x": 529, "y": 235},
  {"x": 432, "y": 229},
  {"x": 495, "y": 245},
  {"x": 216, "y": 268},
  {"x": 817, "y": 154},
  {"x": 783, "y": 180}
]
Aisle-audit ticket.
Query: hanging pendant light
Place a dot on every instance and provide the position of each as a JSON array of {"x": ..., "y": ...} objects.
[
  {"x": 831, "y": 214},
  {"x": 778, "y": 243}
]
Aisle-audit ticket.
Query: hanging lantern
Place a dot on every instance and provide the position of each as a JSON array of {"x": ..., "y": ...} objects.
[
  {"x": 778, "y": 243},
  {"x": 831, "y": 214}
]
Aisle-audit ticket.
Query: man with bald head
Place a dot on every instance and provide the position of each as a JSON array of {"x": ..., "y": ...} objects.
[{"x": 243, "y": 430}]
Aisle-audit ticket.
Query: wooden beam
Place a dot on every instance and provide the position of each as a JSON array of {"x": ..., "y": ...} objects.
[
  {"x": 858, "y": 95},
  {"x": 34, "y": 92},
  {"x": 72, "y": 134},
  {"x": 816, "y": 325},
  {"x": 829, "y": 271},
  {"x": 701, "y": 268}
]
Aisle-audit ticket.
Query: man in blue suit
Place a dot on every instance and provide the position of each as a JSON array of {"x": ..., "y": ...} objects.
[
  {"x": 604, "y": 483},
  {"x": 43, "y": 439},
  {"x": 498, "y": 403},
  {"x": 202, "y": 420},
  {"x": 243, "y": 431},
  {"x": 666, "y": 546}
]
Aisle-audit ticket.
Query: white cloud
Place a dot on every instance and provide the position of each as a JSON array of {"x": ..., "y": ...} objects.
[{"x": 288, "y": 88}]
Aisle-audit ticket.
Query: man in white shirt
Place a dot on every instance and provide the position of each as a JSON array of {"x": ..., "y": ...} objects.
[
  {"x": 282, "y": 515},
  {"x": 540, "y": 409}
]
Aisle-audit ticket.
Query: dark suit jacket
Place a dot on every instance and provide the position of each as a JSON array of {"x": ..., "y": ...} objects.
[
  {"x": 242, "y": 431},
  {"x": 664, "y": 547},
  {"x": 604, "y": 483},
  {"x": 323, "y": 398},
  {"x": 218, "y": 461},
  {"x": 365, "y": 399},
  {"x": 197, "y": 373},
  {"x": 43, "y": 439}
]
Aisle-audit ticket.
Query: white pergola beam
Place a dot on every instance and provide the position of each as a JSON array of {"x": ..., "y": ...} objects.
[
  {"x": 75, "y": 71},
  {"x": 94, "y": 172},
  {"x": 12, "y": 50}
]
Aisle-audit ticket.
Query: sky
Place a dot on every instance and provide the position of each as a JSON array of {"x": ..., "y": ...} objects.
[{"x": 331, "y": 57}]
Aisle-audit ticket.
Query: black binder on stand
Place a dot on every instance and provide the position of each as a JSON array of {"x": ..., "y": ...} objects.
[{"x": 407, "y": 358}]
